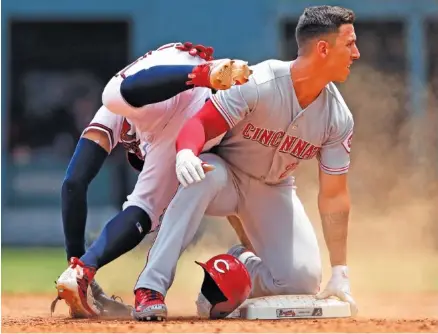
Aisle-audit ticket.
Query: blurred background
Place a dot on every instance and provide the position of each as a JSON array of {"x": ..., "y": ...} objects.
[{"x": 58, "y": 55}]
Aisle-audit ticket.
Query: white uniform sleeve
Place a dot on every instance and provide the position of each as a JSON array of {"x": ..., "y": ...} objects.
[
  {"x": 237, "y": 102},
  {"x": 334, "y": 156},
  {"x": 108, "y": 122}
]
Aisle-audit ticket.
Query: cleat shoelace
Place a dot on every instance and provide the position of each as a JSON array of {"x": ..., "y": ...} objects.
[{"x": 144, "y": 296}]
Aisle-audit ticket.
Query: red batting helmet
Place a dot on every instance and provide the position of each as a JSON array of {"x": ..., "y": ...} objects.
[{"x": 226, "y": 284}]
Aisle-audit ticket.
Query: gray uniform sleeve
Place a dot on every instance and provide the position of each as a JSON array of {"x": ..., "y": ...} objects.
[
  {"x": 237, "y": 102},
  {"x": 334, "y": 156}
]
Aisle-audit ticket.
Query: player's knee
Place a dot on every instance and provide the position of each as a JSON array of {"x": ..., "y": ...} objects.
[
  {"x": 302, "y": 280},
  {"x": 306, "y": 282},
  {"x": 112, "y": 98}
]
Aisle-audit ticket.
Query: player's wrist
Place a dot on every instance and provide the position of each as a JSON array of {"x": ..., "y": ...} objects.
[
  {"x": 340, "y": 271},
  {"x": 184, "y": 155},
  {"x": 185, "y": 152}
]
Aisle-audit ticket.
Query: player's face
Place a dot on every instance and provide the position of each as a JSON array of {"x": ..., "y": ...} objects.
[{"x": 342, "y": 53}]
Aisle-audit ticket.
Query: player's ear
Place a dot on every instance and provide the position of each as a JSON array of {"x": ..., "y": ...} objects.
[{"x": 322, "y": 47}]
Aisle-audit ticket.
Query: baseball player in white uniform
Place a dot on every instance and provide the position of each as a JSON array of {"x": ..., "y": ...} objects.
[
  {"x": 149, "y": 101},
  {"x": 287, "y": 112},
  {"x": 97, "y": 141}
]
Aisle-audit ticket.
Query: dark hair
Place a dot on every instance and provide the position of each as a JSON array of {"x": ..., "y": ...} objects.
[{"x": 321, "y": 20}]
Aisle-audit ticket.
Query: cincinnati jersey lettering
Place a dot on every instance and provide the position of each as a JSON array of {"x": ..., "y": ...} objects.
[{"x": 292, "y": 145}]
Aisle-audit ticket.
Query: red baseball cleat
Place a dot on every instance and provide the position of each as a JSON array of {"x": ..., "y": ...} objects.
[
  {"x": 73, "y": 286},
  {"x": 149, "y": 305}
]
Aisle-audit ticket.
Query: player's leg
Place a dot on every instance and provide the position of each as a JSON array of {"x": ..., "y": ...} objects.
[
  {"x": 288, "y": 258},
  {"x": 156, "y": 185},
  {"x": 95, "y": 144},
  {"x": 161, "y": 82},
  {"x": 121, "y": 234},
  {"x": 215, "y": 195},
  {"x": 127, "y": 95}
]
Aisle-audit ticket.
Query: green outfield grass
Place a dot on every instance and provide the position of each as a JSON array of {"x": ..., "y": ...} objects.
[
  {"x": 34, "y": 270},
  {"x": 31, "y": 269}
]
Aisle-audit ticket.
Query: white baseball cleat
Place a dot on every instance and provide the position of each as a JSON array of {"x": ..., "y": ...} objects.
[{"x": 73, "y": 287}]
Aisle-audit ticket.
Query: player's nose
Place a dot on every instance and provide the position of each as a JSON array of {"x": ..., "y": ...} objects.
[{"x": 355, "y": 55}]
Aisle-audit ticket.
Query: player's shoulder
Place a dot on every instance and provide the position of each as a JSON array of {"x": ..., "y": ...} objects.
[
  {"x": 336, "y": 101},
  {"x": 339, "y": 110},
  {"x": 270, "y": 70}
]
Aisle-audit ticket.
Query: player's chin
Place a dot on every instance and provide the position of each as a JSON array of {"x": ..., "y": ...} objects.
[{"x": 341, "y": 77}]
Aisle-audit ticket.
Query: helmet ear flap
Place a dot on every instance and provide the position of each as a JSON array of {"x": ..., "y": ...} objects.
[
  {"x": 211, "y": 290},
  {"x": 226, "y": 285}
]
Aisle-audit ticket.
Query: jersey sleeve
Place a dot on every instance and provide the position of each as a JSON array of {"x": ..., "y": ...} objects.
[
  {"x": 107, "y": 122},
  {"x": 334, "y": 156},
  {"x": 237, "y": 102}
]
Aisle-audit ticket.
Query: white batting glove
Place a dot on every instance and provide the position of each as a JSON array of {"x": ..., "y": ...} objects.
[
  {"x": 339, "y": 286},
  {"x": 188, "y": 168}
]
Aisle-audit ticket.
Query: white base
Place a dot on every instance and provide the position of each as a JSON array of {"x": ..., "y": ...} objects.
[{"x": 291, "y": 307}]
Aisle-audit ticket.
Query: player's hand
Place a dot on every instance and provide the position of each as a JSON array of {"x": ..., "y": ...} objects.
[
  {"x": 339, "y": 286},
  {"x": 203, "y": 306},
  {"x": 189, "y": 168}
]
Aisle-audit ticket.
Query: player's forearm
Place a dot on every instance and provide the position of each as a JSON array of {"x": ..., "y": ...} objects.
[
  {"x": 191, "y": 136},
  {"x": 86, "y": 162},
  {"x": 155, "y": 84},
  {"x": 334, "y": 211},
  {"x": 207, "y": 124}
]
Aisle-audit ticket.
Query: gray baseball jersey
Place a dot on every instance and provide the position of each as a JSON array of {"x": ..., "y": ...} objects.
[
  {"x": 265, "y": 116},
  {"x": 270, "y": 134}
]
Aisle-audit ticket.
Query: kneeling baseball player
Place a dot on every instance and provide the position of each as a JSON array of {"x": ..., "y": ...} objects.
[{"x": 287, "y": 113}]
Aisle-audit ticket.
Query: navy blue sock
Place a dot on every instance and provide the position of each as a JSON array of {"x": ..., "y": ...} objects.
[
  {"x": 86, "y": 162},
  {"x": 121, "y": 234},
  {"x": 155, "y": 84}
]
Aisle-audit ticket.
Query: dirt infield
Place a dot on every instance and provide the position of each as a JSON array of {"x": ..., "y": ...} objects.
[{"x": 411, "y": 313}]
